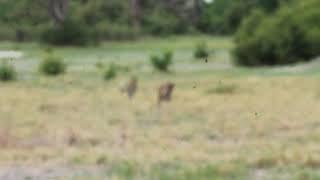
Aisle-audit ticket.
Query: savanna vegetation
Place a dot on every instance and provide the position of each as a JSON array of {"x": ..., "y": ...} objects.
[
  {"x": 224, "y": 122},
  {"x": 245, "y": 102}
]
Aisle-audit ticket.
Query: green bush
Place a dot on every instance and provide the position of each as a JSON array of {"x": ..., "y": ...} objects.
[
  {"x": 163, "y": 62},
  {"x": 291, "y": 35},
  {"x": 69, "y": 33},
  {"x": 201, "y": 51},
  {"x": 246, "y": 44},
  {"x": 313, "y": 37},
  {"x": 110, "y": 72},
  {"x": 7, "y": 72},
  {"x": 52, "y": 65}
]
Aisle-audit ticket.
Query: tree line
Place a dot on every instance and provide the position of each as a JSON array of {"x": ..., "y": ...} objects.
[{"x": 122, "y": 19}]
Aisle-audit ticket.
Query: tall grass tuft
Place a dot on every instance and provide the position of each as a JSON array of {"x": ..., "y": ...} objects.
[
  {"x": 201, "y": 51},
  {"x": 7, "y": 72},
  {"x": 110, "y": 72},
  {"x": 52, "y": 65},
  {"x": 162, "y": 62}
]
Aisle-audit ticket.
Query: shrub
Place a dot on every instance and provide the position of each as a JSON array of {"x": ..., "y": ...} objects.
[
  {"x": 163, "y": 62},
  {"x": 201, "y": 51},
  {"x": 110, "y": 72},
  {"x": 68, "y": 33},
  {"x": 52, "y": 65},
  {"x": 313, "y": 37},
  {"x": 260, "y": 41},
  {"x": 7, "y": 72},
  {"x": 245, "y": 50}
]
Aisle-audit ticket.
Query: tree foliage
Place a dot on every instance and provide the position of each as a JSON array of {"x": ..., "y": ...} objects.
[
  {"x": 126, "y": 19},
  {"x": 289, "y": 36}
]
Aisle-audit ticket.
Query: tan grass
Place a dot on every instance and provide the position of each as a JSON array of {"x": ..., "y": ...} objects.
[{"x": 266, "y": 122}]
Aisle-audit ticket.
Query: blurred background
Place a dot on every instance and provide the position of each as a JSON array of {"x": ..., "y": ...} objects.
[
  {"x": 84, "y": 86},
  {"x": 255, "y": 24}
]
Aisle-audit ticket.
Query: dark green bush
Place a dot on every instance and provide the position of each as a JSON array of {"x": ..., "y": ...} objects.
[
  {"x": 162, "y": 62},
  {"x": 52, "y": 65},
  {"x": 70, "y": 32},
  {"x": 246, "y": 44},
  {"x": 7, "y": 72},
  {"x": 291, "y": 35},
  {"x": 110, "y": 72},
  {"x": 313, "y": 37},
  {"x": 201, "y": 51}
]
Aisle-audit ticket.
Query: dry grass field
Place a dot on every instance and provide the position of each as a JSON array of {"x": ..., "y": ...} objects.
[{"x": 224, "y": 122}]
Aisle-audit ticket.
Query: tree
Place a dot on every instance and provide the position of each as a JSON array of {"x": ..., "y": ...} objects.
[
  {"x": 58, "y": 10},
  {"x": 22, "y": 16},
  {"x": 135, "y": 12}
]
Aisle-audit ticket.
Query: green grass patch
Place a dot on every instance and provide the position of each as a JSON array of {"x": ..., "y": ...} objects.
[{"x": 179, "y": 171}]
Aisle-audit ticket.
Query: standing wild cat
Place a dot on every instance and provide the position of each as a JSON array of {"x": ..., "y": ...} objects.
[{"x": 165, "y": 91}]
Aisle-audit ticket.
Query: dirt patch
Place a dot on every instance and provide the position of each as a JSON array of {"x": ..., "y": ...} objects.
[
  {"x": 10, "y": 54},
  {"x": 44, "y": 173}
]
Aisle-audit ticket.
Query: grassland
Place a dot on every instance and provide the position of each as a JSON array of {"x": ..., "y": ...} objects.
[{"x": 224, "y": 122}]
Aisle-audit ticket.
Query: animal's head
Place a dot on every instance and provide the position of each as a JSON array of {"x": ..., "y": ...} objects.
[
  {"x": 134, "y": 79},
  {"x": 170, "y": 86}
]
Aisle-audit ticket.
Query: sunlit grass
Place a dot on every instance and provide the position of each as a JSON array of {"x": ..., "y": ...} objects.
[{"x": 270, "y": 122}]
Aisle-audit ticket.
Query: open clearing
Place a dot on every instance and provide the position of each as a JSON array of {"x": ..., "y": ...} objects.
[{"x": 223, "y": 123}]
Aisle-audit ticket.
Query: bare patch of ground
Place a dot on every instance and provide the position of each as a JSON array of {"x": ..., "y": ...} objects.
[{"x": 55, "y": 172}]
